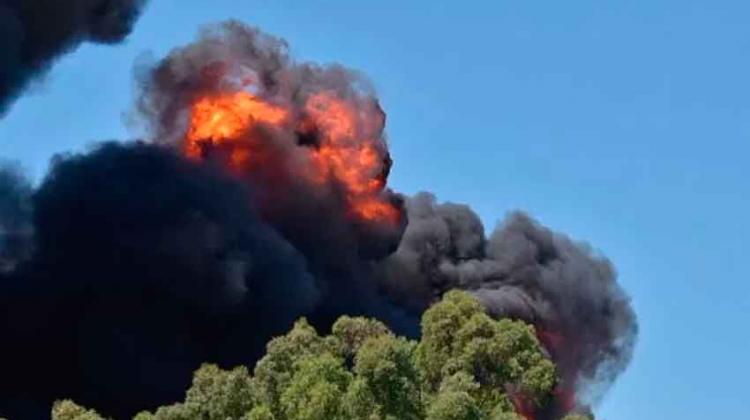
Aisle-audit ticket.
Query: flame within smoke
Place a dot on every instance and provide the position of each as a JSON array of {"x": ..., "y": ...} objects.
[
  {"x": 223, "y": 119},
  {"x": 343, "y": 143},
  {"x": 262, "y": 197},
  {"x": 286, "y": 128}
]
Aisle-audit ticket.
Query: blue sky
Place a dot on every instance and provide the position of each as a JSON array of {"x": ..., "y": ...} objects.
[{"x": 626, "y": 124}]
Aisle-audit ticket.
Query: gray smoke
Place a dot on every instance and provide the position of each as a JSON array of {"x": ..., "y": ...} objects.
[
  {"x": 523, "y": 270},
  {"x": 33, "y": 33}
]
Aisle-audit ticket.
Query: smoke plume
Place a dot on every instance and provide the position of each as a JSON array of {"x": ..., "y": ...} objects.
[
  {"x": 307, "y": 139},
  {"x": 35, "y": 32},
  {"x": 525, "y": 271},
  {"x": 144, "y": 266},
  {"x": 260, "y": 195}
]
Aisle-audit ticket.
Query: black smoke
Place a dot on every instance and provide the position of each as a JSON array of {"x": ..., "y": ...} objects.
[
  {"x": 15, "y": 216},
  {"x": 144, "y": 266},
  {"x": 339, "y": 249},
  {"x": 33, "y": 33},
  {"x": 144, "y": 263}
]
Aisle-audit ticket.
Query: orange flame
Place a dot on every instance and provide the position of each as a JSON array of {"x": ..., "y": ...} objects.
[
  {"x": 348, "y": 148},
  {"x": 346, "y": 156},
  {"x": 220, "y": 119}
]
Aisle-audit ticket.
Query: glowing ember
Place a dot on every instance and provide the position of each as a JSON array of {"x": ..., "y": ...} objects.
[
  {"x": 551, "y": 340},
  {"x": 524, "y": 406},
  {"x": 347, "y": 147},
  {"x": 565, "y": 398}
]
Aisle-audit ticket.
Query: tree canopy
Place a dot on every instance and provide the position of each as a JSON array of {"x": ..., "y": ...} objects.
[{"x": 466, "y": 366}]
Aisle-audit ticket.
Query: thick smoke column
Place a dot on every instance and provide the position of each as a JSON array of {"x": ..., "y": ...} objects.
[
  {"x": 261, "y": 196},
  {"x": 145, "y": 266},
  {"x": 237, "y": 94},
  {"x": 307, "y": 139},
  {"x": 35, "y": 32},
  {"x": 523, "y": 270},
  {"x": 150, "y": 259}
]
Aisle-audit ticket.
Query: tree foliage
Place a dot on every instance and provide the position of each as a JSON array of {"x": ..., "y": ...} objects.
[
  {"x": 68, "y": 410},
  {"x": 466, "y": 366}
]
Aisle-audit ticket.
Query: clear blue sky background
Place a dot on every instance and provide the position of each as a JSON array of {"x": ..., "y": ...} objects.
[{"x": 626, "y": 124}]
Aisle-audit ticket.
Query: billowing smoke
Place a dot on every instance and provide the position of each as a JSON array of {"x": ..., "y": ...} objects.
[
  {"x": 259, "y": 196},
  {"x": 523, "y": 270},
  {"x": 308, "y": 140},
  {"x": 144, "y": 266},
  {"x": 35, "y": 32}
]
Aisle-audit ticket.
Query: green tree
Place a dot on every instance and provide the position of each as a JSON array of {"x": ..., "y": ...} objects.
[
  {"x": 350, "y": 333},
  {"x": 261, "y": 412},
  {"x": 501, "y": 356},
  {"x": 386, "y": 364},
  {"x": 215, "y": 394},
  {"x": 454, "y": 400},
  {"x": 505, "y": 415},
  {"x": 219, "y": 394},
  {"x": 454, "y": 406},
  {"x": 465, "y": 367},
  {"x": 169, "y": 412},
  {"x": 439, "y": 325},
  {"x": 359, "y": 402},
  {"x": 68, "y": 410},
  {"x": 316, "y": 389},
  {"x": 274, "y": 371}
]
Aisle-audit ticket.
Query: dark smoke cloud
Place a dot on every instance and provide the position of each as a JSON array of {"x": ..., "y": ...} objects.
[
  {"x": 15, "y": 216},
  {"x": 146, "y": 263},
  {"x": 523, "y": 270},
  {"x": 225, "y": 58},
  {"x": 35, "y": 32}
]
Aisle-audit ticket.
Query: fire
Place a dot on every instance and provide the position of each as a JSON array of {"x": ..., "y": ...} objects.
[
  {"x": 524, "y": 406},
  {"x": 348, "y": 157},
  {"x": 565, "y": 398},
  {"x": 347, "y": 148},
  {"x": 551, "y": 340},
  {"x": 220, "y": 119},
  {"x": 563, "y": 402}
]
